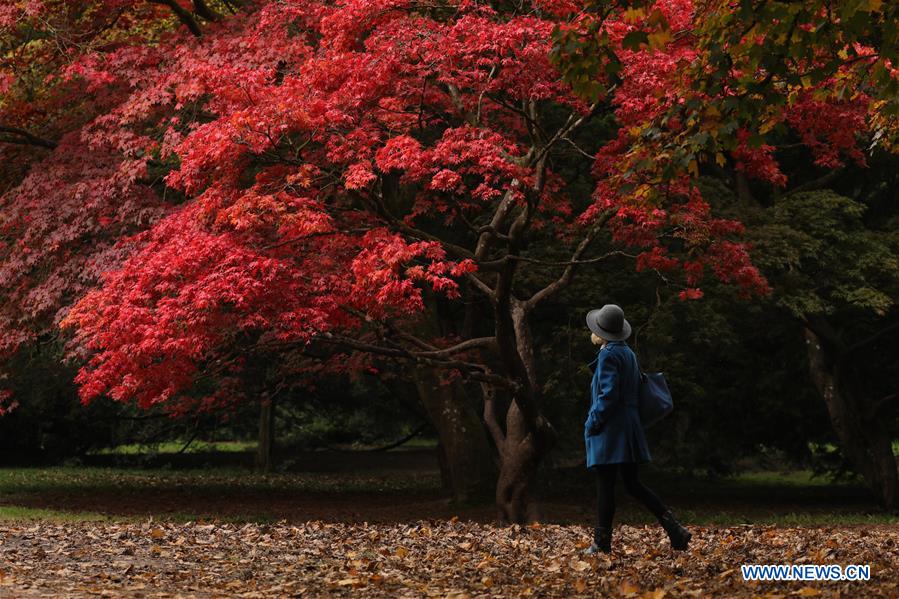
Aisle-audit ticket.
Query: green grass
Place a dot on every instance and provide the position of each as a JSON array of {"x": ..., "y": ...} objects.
[
  {"x": 786, "y": 478},
  {"x": 735, "y": 518},
  {"x": 88, "y": 479},
  {"x": 16, "y": 513},
  {"x": 184, "y": 495},
  {"x": 629, "y": 514},
  {"x": 171, "y": 447},
  {"x": 790, "y": 498},
  {"x": 19, "y": 513},
  {"x": 830, "y": 447}
]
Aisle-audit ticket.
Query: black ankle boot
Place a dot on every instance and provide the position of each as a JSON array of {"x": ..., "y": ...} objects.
[
  {"x": 679, "y": 536},
  {"x": 602, "y": 541}
]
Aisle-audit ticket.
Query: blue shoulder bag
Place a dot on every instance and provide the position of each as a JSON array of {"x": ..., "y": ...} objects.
[{"x": 655, "y": 399}]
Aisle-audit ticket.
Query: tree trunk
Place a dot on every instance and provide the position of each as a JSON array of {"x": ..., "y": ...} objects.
[
  {"x": 466, "y": 463},
  {"x": 523, "y": 447},
  {"x": 522, "y": 452},
  {"x": 265, "y": 448},
  {"x": 863, "y": 437}
]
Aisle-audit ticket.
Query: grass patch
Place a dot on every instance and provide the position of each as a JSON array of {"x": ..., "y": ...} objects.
[
  {"x": 15, "y": 481},
  {"x": 173, "y": 447},
  {"x": 18, "y": 513},
  {"x": 791, "y": 498},
  {"x": 727, "y": 518},
  {"x": 788, "y": 478}
]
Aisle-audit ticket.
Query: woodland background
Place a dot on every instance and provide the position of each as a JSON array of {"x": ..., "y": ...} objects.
[{"x": 332, "y": 260}]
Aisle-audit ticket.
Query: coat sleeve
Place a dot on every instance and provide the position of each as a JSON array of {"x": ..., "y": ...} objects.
[{"x": 604, "y": 390}]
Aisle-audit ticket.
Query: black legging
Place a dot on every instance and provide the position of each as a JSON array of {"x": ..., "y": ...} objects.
[{"x": 605, "y": 486}]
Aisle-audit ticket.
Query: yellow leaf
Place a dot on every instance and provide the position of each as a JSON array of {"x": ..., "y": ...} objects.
[
  {"x": 347, "y": 581},
  {"x": 157, "y": 533},
  {"x": 659, "y": 39},
  {"x": 628, "y": 588},
  {"x": 580, "y": 586},
  {"x": 727, "y": 572},
  {"x": 642, "y": 191},
  {"x": 657, "y": 17},
  {"x": 767, "y": 125},
  {"x": 580, "y": 565},
  {"x": 656, "y": 594},
  {"x": 401, "y": 551},
  {"x": 632, "y": 15},
  {"x": 487, "y": 581},
  {"x": 808, "y": 592},
  {"x": 720, "y": 159},
  {"x": 874, "y": 5},
  {"x": 694, "y": 168}
]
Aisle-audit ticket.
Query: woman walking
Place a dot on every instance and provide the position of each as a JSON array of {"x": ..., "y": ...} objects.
[{"x": 613, "y": 432}]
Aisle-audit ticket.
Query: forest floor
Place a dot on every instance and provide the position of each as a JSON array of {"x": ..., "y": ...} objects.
[
  {"x": 427, "y": 558},
  {"x": 121, "y": 532}
]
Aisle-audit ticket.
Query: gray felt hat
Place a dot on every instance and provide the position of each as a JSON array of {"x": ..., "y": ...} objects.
[{"x": 609, "y": 323}]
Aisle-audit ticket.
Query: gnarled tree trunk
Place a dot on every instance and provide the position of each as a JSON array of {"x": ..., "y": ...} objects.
[
  {"x": 863, "y": 437},
  {"x": 522, "y": 452},
  {"x": 525, "y": 443}
]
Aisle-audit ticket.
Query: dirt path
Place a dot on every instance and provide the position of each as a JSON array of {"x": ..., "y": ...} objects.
[{"x": 441, "y": 558}]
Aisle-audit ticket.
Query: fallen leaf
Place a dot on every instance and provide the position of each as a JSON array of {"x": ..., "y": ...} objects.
[
  {"x": 580, "y": 565},
  {"x": 628, "y": 587}
]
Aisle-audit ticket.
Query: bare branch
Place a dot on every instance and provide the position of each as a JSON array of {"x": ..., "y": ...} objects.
[
  {"x": 203, "y": 10},
  {"x": 183, "y": 15},
  {"x": 22, "y": 137},
  {"x": 478, "y": 372},
  {"x": 466, "y": 345},
  {"x": 509, "y": 257},
  {"x": 568, "y": 274}
]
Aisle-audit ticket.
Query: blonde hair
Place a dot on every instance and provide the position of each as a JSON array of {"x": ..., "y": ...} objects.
[{"x": 596, "y": 339}]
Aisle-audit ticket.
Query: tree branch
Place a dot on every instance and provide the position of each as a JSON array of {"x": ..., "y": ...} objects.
[
  {"x": 203, "y": 10},
  {"x": 605, "y": 256},
  {"x": 25, "y": 138},
  {"x": 874, "y": 337},
  {"x": 477, "y": 372},
  {"x": 466, "y": 345},
  {"x": 183, "y": 15},
  {"x": 568, "y": 273}
]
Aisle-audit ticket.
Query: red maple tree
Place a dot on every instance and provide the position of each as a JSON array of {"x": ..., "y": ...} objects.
[{"x": 202, "y": 185}]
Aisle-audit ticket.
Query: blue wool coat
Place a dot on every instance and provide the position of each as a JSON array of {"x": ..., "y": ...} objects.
[{"x": 613, "y": 432}]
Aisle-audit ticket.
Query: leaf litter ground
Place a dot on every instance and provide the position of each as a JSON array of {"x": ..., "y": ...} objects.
[{"x": 449, "y": 558}]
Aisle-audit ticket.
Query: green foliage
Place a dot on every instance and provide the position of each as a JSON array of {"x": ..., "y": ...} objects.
[
  {"x": 823, "y": 258},
  {"x": 49, "y": 424}
]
